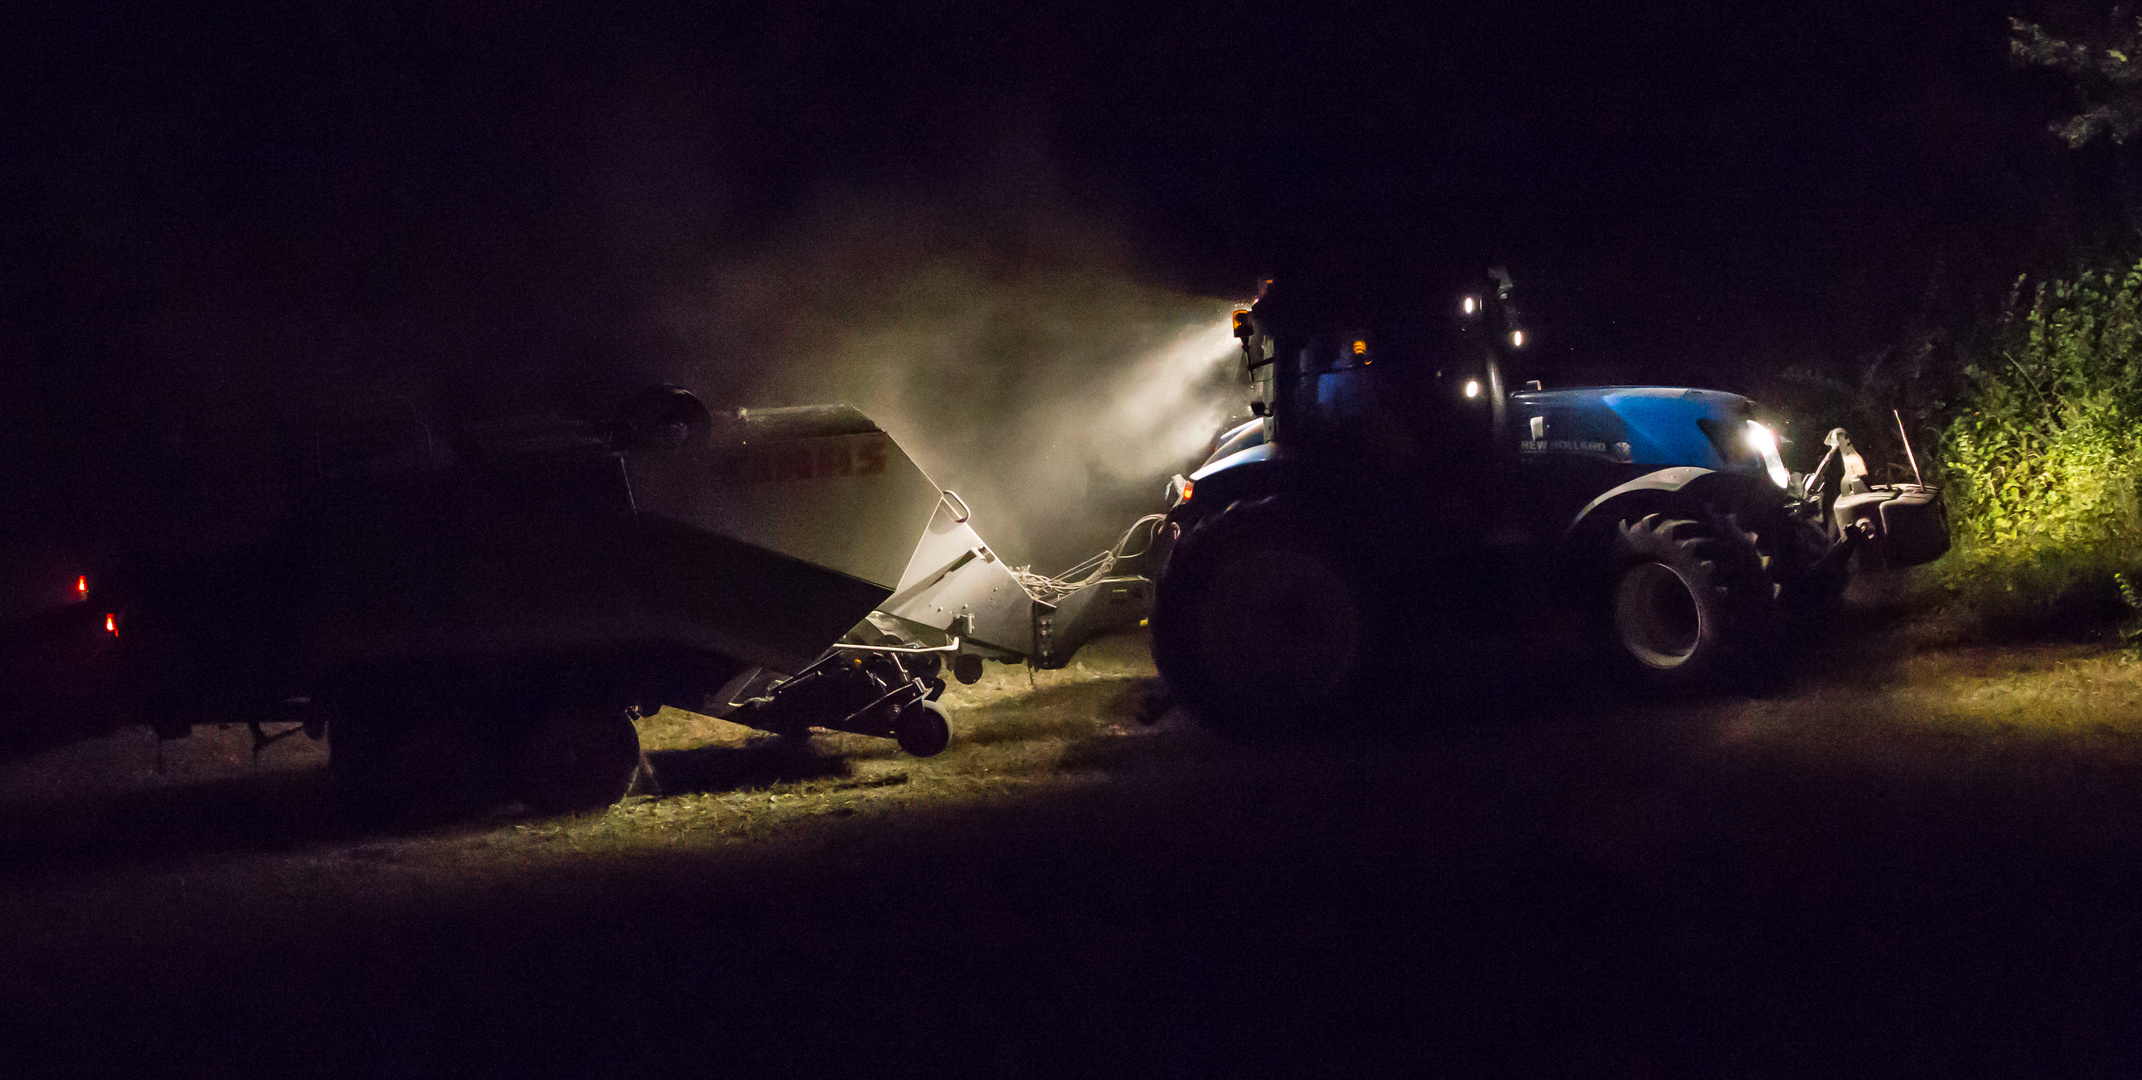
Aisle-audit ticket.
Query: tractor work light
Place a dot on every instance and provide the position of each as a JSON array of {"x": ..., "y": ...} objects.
[
  {"x": 1517, "y": 339},
  {"x": 1764, "y": 442},
  {"x": 1471, "y": 305},
  {"x": 1472, "y": 388}
]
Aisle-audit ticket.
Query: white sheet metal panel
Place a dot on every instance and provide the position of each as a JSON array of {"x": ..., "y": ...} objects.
[
  {"x": 852, "y": 501},
  {"x": 953, "y": 574}
]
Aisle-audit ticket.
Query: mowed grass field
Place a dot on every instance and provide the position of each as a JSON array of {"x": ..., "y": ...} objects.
[{"x": 1912, "y": 861}]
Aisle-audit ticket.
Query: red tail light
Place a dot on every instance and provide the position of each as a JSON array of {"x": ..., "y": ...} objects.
[
  {"x": 81, "y": 585},
  {"x": 111, "y": 624}
]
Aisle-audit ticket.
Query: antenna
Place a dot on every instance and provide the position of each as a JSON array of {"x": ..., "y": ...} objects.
[{"x": 1913, "y": 458}]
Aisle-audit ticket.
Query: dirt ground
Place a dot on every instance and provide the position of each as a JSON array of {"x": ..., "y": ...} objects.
[{"x": 1914, "y": 861}]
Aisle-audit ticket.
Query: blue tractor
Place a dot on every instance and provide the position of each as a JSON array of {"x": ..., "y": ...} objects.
[{"x": 1390, "y": 477}]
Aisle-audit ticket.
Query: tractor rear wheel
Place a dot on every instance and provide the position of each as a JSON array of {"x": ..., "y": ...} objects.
[
  {"x": 1688, "y": 601},
  {"x": 1259, "y": 622}
]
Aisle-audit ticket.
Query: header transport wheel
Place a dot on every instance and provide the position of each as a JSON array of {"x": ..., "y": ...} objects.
[{"x": 922, "y": 729}]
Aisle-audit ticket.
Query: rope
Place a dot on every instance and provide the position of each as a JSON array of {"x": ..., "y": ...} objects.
[{"x": 1050, "y": 589}]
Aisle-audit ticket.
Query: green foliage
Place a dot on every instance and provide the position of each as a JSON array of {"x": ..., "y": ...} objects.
[
  {"x": 2043, "y": 461},
  {"x": 2107, "y": 76},
  {"x": 2131, "y": 633}
]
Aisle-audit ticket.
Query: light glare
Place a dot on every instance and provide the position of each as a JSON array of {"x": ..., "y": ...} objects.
[
  {"x": 1472, "y": 388},
  {"x": 1765, "y": 444},
  {"x": 1470, "y": 304},
  {"x": 1517, "y": 339}
]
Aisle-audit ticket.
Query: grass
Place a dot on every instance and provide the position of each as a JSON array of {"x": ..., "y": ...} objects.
[
  {"x": 1917, "y": 861},
  {"x": 717, "y": 783}
]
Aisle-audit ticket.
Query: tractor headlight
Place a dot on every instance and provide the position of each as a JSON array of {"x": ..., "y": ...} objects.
[{"x": 1764, "y": 442}]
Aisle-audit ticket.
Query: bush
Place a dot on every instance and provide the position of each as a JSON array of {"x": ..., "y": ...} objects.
[{"x": 2043, "y": 460}]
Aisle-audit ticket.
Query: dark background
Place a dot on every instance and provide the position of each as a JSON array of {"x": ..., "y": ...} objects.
[
  {"x": 972, "y": 218},
  {"x": 1002, "y": 228}
]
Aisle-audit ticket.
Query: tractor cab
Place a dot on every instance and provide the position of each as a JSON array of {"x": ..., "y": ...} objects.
[
  {"x": 1402, "y": 382},
  {"x": 1394, "y": 404}
]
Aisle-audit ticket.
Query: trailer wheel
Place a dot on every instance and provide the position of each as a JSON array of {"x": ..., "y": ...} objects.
[
  {"x": 357, "y": 753},
  {"x": 1687, "y": 600},
  {"x": 578, "y": 758},
  {"x": 922, "y": 729},
  {"x": 403, "y": 763}
]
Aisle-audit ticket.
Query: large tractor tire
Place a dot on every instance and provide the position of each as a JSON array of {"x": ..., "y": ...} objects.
[
  {"x": 1689, "y": 603},
  {"x": 1260, "y": 624}
]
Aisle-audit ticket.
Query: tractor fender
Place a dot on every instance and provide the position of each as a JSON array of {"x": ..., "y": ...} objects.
[
  {"x": 1663, "y": 490},
  {"x": 1256, "y": 472}
]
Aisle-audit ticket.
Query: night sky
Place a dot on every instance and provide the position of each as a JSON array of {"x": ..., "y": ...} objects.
[{"x": 229, "y": 216}]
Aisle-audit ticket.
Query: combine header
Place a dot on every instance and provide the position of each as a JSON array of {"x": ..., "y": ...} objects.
[{"x": 491, "y": 614}]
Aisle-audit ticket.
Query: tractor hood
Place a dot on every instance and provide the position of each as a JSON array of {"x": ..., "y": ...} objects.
[{"x": 1656, "y": 426}]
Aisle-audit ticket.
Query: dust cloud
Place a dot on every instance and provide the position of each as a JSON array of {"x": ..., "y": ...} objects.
[
  {"x": 1024, "y": 360},
  {"x": 1029, "y": 366}
]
